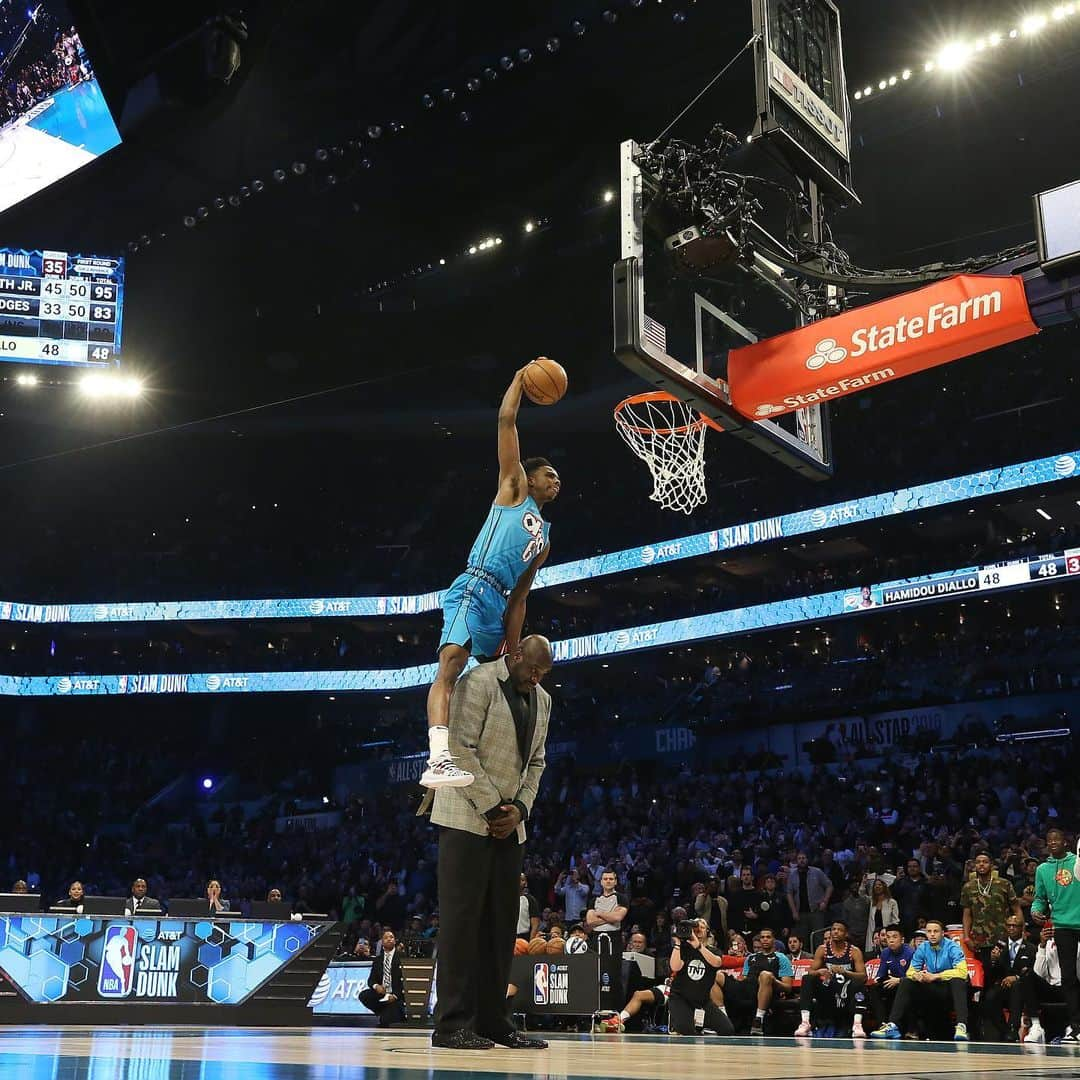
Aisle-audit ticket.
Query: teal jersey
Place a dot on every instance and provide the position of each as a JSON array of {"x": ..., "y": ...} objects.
[{"x": 508, "y": 542}]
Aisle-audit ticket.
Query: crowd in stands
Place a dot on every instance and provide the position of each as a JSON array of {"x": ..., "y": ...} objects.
[{"x": 894, "y": 841}]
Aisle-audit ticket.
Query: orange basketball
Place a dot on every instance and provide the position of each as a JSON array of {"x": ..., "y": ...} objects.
[
  {"x": 538, "y": 945},
  {"x": 544, "y": 381},
  {"x": 521, "y": 947},
  {"x": 555, "y": 945}
]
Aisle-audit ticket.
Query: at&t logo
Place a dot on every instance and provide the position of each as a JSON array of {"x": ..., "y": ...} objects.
[
  {"x": 321, "y": 991},
  {"x": 213, "y": 682},
  {"x": 818, "y": 518},
  {"x": 316, "y": 607},
  {"x": 648, "y": 553},
  {"x": 827, "y": 352},
  {"x": 1065, "y": 466}
]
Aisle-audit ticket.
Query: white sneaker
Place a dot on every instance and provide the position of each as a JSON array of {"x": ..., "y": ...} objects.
[
  {"x": 442, "y": 772},
  {"x": 857, "y": 1030},
  {"x": 1035, "y": 1033},
  {"x": 803, "y": 1030}
]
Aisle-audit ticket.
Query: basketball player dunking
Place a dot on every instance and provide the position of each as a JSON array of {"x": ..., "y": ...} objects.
[{"x": 484, "y": 609}]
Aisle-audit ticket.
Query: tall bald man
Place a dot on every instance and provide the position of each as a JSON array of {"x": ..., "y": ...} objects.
[{"x": 498, "y": 726}]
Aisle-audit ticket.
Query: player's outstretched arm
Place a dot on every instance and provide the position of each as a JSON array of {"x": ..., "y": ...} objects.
[
  {"x": 514, "y": 616},
  {"x": 512, "y": 482}
]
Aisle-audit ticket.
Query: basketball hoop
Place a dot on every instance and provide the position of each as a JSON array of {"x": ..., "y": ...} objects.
[{"x": 669, "y": 436}]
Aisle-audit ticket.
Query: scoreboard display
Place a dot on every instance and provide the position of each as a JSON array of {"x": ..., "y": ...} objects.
[{"x": 58, "y": 308}]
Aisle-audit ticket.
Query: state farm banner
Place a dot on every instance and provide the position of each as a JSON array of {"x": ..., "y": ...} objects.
[{"x": 877, "y": 343}]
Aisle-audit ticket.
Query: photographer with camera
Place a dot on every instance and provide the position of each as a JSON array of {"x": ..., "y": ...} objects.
[{"x": 691, "y": 983}]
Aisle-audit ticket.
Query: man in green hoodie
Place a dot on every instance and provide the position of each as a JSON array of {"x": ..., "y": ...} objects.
[{"x": 1057, "y": 897}]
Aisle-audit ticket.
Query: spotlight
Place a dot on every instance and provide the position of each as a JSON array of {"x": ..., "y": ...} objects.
[
  {"x": 189, "y": 221},
  {"x": 395, "y": 128},
  {"x": 679, "y": 17},
  {"x": 881, "y": 85},
  {"x": 1033, "y": 24},
  {"x": 858, "y": 95},
  {"x": 892, "y": 80},
  {"x": 245, "y": 191},
  {"x": 609, "y": 195},
  {"x": 995, "y": 40},
  {"x": 1014, "y": 33},
  {"x": 219, "y": 203},
  {"x": 427, "y": 101},
  {"x": 498, "y": 240},
  {"x": 506, "y": 63},
  {"x": 610, "y": 16},
  {"x": 928, "y": 66},
  {"x": 207, "y": 783},
  {"x": 374, "y": 131},
  {"x": 464, "y": 116},
  {"x": 1060, "y": 12},
  {"x": 472, "y": 250},
  {"x": 578, "y": 27},
  {"x": 490, "y": 74},
  {"x": 906, "y": 74},
  {"x": 94, "y": 386},
  {"x": 552, "y": 45},
  {"x": 448, "y": 94},
  {"x": 867, "y": 91},
  {"x": 473, "y": 84},
  {"x": 525, "y": 56},
  {"x": 234, "y": 200},
  {"x": 279, "y": 175},
  {"x": 954, "y": 56},
  {"x": 442, "y": 262},
  {"x": 321, "y": 154},
  {"x": 202, "y": 213},
  {"x": 299, "y": 168},
  {"x": 365, "y": 163},
  {"x": 130, "y": 387},
  {"x": 530, "y": 226},
  {"x": 26, "y": 379}
]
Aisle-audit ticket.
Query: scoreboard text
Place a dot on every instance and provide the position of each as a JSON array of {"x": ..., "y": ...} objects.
[{"x": 57, "y": 308}]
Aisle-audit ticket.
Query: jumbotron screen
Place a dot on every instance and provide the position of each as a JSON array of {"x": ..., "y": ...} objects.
[
  {"x": 53, "y": 116},
  {"x": 58, "y": 308}
]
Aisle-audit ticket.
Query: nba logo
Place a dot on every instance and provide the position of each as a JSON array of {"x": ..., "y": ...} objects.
[
  {"x": 117, "y": 962},
  {"x": 540, "y": 984}
]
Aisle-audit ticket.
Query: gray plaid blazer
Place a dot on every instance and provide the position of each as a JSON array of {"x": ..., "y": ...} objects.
[{"x": 483, "y": 739}]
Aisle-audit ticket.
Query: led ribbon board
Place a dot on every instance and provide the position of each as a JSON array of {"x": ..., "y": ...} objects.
[
  {"x": 956, "y": 489},
  {"x": 71, "y": 958},
  {"x": 1040, "y": 570}
]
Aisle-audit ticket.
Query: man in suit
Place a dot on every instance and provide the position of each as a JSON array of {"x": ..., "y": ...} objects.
[
  {"x": 498, "y": 726},
  {"x": 1009, "y": 966},
  {"x": 138, "y": 903},
  {"x": 385, "y": 992}
]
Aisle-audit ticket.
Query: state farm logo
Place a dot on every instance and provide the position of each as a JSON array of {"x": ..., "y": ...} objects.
[
  {"x": 1065, "y": 466},
  {"x": 827, "y": 352},
  {"x": 769, "y": 410},
  {"x": 818, "y": 518}
]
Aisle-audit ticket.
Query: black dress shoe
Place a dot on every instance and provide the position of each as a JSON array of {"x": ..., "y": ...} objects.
[
  {"x": 514, "y": 1040},
  {"x": 462, "y": 1039}
]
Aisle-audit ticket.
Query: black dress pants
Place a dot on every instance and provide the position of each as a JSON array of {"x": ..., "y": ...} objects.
[
  {"x": 388, "y": 1013},
  {"x": 478, "y": 913}
]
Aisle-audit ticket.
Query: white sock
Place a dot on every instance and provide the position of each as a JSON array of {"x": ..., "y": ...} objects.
[
  {"x": 624, "y": 1016},
  {"x": 438, "y": 741},
  {"x": 805, "y": 1014},
  {"x": 760, "y": 1014}
]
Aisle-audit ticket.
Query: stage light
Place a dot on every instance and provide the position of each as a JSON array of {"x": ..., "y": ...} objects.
[
  {"x": 207, "y": 783},
  {"x": 867, "y": 91},
  {"x": 93, "y": 386},
  {"x": 552, "y": 45},
  {"x": 299, "y": 168},
  {"x": 525, "y": 56},
  {"x": 610, "y": 16},
  {"x": 892, "y": 80},
  {"x": 506, "y": 63},
  {"x": 1014, "y": 33},
  {"x": 442, "y": 262},
  {"x": 995, "y": 40},
  {"x": 189, "y": 221},
  {"x": 472, "y": 250},
  {"x": 1060, "y": 12},
  {"x": 928, "y": 66},
  {"x": 26, "y": 379},
  {"x": 578, "y": 27},
  {"x": 374, "y": 131},
  {"x": 881, "y": 85},
  {"x": 279, "y": 175},
  {"x": 321, "y": 154},
  {"x": 427, "y": 101},
  {"x": 1042, "y": 513},
  {"x": 954, "y": 56},
  {"x": 1033, "y": 24},
  {"x": 234, "y": 200},
  {"x": 448, "y": 94},
  {"x": 858, "y": 95},
  {"x": 130, "y": 387},
  {"x": 498, "y": 239},
  {"x": 609, "y": 195},
  {"x": 473, "y": 85},
  {"x": 530, "y": 226},
  {"x": 202, "y": 213},
  {"x": 906, "y": 74}
]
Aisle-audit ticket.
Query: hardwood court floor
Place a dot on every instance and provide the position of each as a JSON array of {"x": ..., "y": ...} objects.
[{"x": 194, "y": 1053}]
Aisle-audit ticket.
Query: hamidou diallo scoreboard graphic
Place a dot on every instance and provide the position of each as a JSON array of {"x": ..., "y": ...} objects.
[
  {"x": 53, "y": 958},
  {"x": 957, "y": 489},
  {"x": 1020, "y": 573}
]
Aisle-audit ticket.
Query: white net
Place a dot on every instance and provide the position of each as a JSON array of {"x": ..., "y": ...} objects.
[{"x": 669, "y": 436}]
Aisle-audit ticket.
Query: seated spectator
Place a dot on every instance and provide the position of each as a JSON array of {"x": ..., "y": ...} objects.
[
  {"x": 213, "y": 897},
  {"x": 1009, "y": 970},
  {"x": 386, "y": 996},
  {"x": 937, "y": 977},
  {"x": 833, "y": 988},
  {"x": 766, "y": 973},
  {"x": 138, "y": 901},
  {"x": 528, "y": 923},
  {"x": 795, "y": 949},
  {"x": 74, "y": 898},
  {"x": 1044, "y": 987},
  {"x": 893, "y": 966}
]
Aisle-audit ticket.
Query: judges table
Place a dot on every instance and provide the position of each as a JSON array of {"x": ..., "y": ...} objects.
[{"x": 69, "y": 968}]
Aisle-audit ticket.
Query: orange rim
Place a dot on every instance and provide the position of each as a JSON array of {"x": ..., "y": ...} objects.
[{"x": 660, "y": 395}]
